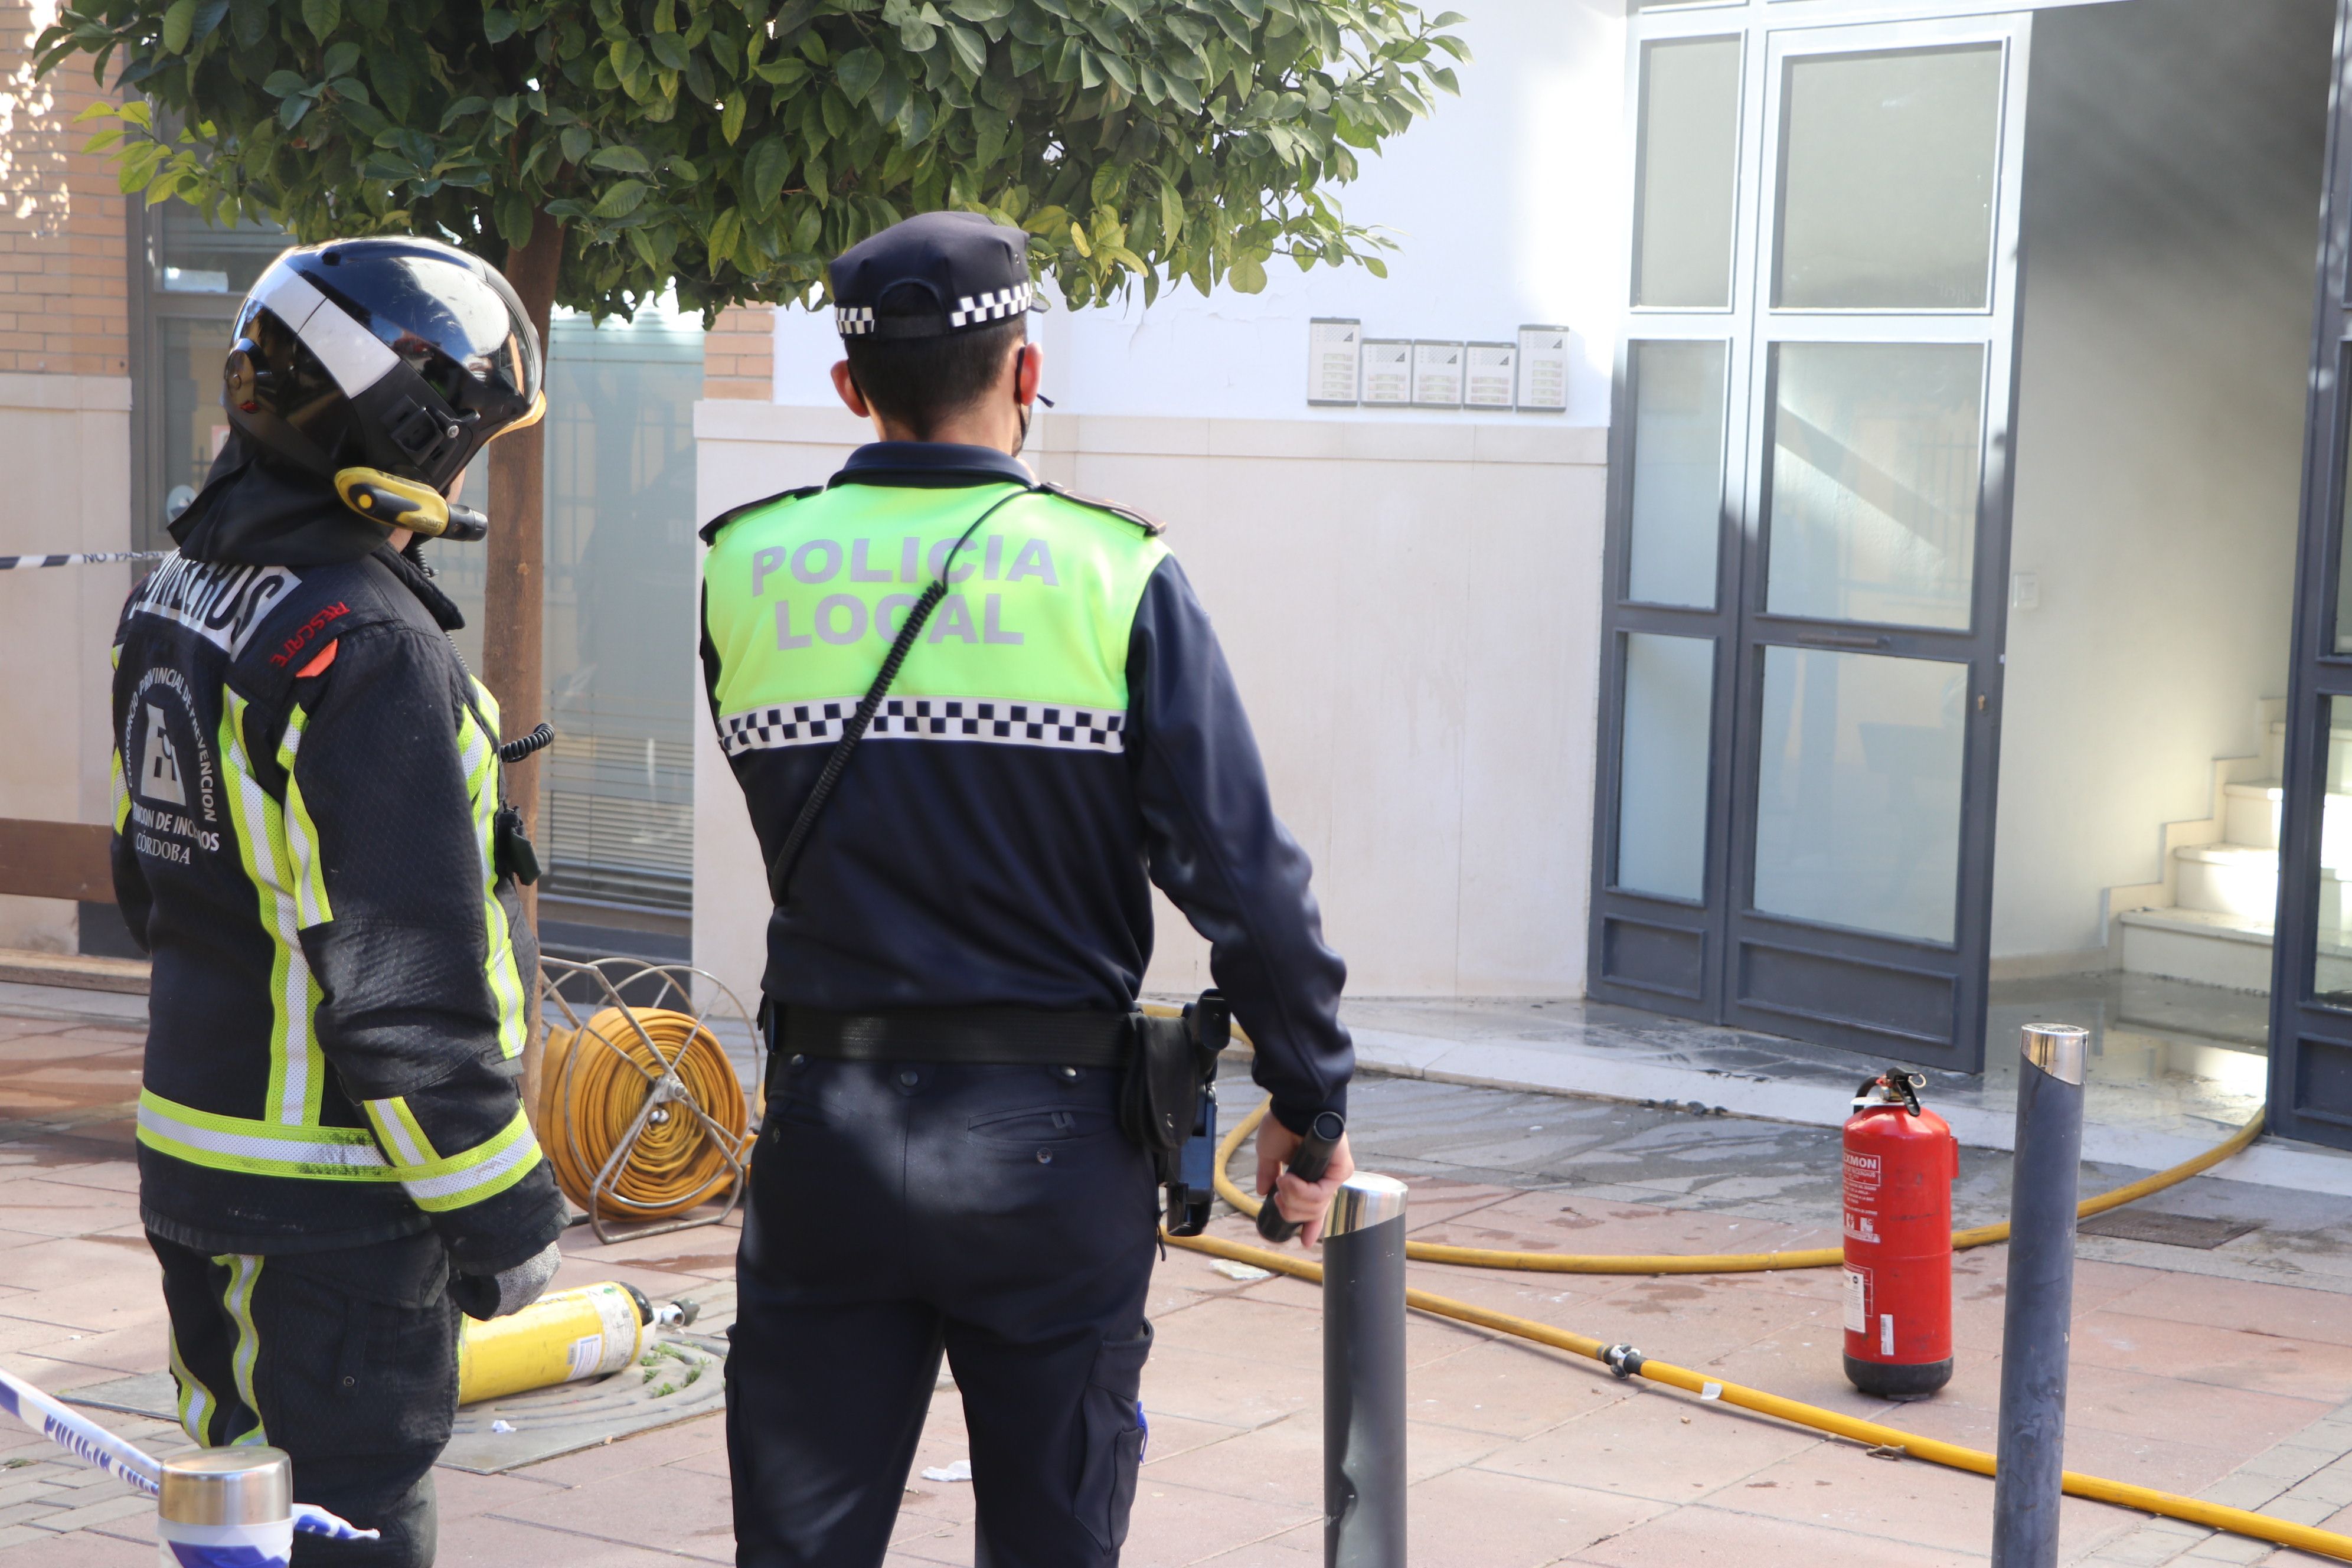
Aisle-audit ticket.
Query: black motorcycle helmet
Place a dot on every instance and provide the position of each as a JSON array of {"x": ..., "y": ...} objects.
[{"x": 382, "y": 365}]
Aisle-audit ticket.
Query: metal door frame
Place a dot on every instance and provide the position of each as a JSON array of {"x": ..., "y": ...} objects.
[
  {"x": 1716, "y": 934},
  {"x": 2311, "y": 1043}
]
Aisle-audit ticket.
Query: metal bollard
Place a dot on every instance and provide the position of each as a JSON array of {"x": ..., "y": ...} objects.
[
  {"x": 226, "y": 1508},
  {"x": 2038, "y": 1314},
  {"x": 1363, "y": 1374}
]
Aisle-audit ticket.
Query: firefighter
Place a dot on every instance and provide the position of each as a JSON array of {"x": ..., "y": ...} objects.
[
  {"x": 961, "y": 929},
  {"x": 313, "y": 841}
]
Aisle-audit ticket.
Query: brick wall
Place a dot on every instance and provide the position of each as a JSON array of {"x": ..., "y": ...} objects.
[
  {"x": 739, "y": 354},
  {"x": 63, "y": 306}
]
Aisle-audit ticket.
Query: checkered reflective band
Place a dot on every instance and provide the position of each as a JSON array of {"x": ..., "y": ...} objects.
[
  {"x": 853, "y": 320},
  {"x": 992, "y": 306},
  {"x": 984, "y": 718}
]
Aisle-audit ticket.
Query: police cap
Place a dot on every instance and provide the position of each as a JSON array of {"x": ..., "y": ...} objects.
[{"x": 976, "y": 272}]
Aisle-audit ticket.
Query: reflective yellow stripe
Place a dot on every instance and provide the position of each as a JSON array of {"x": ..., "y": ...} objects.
[
  {"x": 244, "y": 1273},
  {"x": 297, "y": 1067},
  {"x": 457, "y": 1181},
  {"x": 402, "y": 1135},
  {"x": 259, "y": 1148},
  {"x": 114, "y": 783},
  {"x": 479, "y": 754},
  {"x": 302, "y": 833},
  {"x": 196, "y": 1401}
]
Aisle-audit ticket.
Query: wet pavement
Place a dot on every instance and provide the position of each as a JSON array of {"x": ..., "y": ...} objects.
[{"x": 2225, "y": 1371}]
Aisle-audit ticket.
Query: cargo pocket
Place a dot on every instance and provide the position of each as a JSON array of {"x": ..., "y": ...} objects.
[{"x": 1113, "y": 1431}]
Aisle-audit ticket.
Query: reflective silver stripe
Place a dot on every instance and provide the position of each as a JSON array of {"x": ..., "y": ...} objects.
[
  {"x": 283, "y": 1151},
  {"x": 354, "y": 356},
  {"x": 522, "y": 1151},
  {"x": 819, "y": 722}
]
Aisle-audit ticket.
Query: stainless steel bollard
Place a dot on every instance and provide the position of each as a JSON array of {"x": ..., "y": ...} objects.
[
  {"x": 2039, "y": 1311},
  {"x": 226, "y": 1508},
  {"x": 1363, "y": 1374}
]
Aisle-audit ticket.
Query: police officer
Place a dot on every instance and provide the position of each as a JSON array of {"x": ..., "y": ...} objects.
[
  {"x": 961, "y": 929},
  {"x": 313, "y": 841}
]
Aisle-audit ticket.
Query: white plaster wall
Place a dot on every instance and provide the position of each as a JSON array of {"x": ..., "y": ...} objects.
[
  {"x": 1412, "y": 611},
  {"x": 64, "y": 445},
  {"x": 1508, "y": 206},
  {"x": 2171, "y": 220}
]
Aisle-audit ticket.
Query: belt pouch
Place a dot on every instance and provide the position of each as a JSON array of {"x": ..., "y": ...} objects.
[{"x": 1160, "y": 1087}]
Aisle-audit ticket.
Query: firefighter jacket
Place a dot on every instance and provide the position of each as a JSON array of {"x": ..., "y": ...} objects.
[
  {"x": 1064, "y": 734},
  {"x": 306, "y": 786}
]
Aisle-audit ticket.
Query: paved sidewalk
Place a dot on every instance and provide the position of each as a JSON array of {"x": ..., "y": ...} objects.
[{"x": 2234, "y": 1379}]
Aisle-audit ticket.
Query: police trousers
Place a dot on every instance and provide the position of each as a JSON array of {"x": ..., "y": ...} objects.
[
  {"x": 898, "y": 1210},
  {"x": 347, "y": 1360}
]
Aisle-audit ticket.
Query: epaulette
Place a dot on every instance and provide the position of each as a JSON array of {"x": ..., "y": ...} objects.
[
  {"x": 1151, "y": 526},
  {"x": 709, "y": 532}
]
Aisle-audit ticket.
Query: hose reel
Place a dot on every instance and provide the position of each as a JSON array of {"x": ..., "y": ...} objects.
[{"x": 643, "y": 1116}]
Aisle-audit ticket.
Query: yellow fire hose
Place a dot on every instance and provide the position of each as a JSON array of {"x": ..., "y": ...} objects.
[
  {"x": 1729, "y": 1262},
  {"x": 599, "y": 1077},
  {"x": 2147, "y": 1500}
]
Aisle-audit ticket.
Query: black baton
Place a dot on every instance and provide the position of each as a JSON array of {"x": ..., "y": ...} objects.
[{"x": 1312, "y": 1159}]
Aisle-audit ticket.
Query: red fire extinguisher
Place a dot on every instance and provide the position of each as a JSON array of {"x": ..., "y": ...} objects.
[{"x": 1900, "y": 1162}]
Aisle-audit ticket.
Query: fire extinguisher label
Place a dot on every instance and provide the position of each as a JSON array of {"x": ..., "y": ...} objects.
[
  {"x": 1857, "y": 1306},
  {"x": 1886, "y": 1334}
]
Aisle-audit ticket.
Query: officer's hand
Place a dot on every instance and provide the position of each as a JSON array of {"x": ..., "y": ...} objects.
[
  {"x": 1299, "y": 1201},
  {"x": 485, "y": 1295}
]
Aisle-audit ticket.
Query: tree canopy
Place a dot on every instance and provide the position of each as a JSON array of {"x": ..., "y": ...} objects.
[{"x": 729, "y": 147}]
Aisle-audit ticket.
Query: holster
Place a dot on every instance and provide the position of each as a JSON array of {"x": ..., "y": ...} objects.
[{"x": 1159, "y": 1089}]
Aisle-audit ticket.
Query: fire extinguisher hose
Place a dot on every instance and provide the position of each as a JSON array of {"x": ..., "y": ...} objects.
[
  {"x": 2147, "y": 1500},
  {"x": 1729, "y": 1262}
]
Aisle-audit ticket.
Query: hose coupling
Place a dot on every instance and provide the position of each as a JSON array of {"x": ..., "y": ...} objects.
[{"x": 1623, "y": 1360}]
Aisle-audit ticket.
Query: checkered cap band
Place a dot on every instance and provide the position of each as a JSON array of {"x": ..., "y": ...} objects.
[
  {"x": 988, "y": 719},
  {"x": 854, "y": 321},
  {"x": 992, "y": 306}
]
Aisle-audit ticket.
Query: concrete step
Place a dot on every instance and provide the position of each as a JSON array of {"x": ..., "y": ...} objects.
[
  {"x": 2208, "y": 947},
  {"x": 126, "y": 975},
  {"x": 2236, "y": 880},
  {"x": 2249, "y": 812}
]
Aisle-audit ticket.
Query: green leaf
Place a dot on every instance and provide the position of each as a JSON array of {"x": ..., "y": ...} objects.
[
  {"x": 290, "y": 113},
  {"x": 249, "y": 21},
  {"x": 726, "y": 231},
  {"x": 179, "y": 23},
  {"x": 622, "y": 199},
  {"x": 513, "y": 218},
  {"x": 464, "y": 109},
  {"x": 1443, "y": 77},
  {"x": 339, "y": 59},
  {"x": 769, "y": 163},
  {"x": 622, "y": 159},
  {"x": 970, "y": 48},
  {"x": 730, "y": 118},
  {"x": 1247, "y": 275},
  {"x": 322, "y": 16},
  {"x": 498, "y": 25},
  {"x": 669, "y": 50},
  {"x": 857, "y": 74},
  {"x": 284, "y": 83},
  {"x": 577, "y": 139}
]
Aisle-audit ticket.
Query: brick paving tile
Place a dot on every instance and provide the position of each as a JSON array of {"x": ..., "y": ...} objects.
[
  {"x": 663, "y": 1510},
  {"x": 1175, "y": 1524},
  {"x": 2201, "y": 1352},
  {"x": 1476, "y": 1519},
  {"x": 116, "y": 1504},
  {"x": 1511, "y": 1389},
  {"x": 1651, "y": 1446},
  {"x": 490, "y": 1542},
  {"x": 702, "y": 1435},
  {"x": 1719, "y": 1538},
  {"x": 2317, "y": 1315}
]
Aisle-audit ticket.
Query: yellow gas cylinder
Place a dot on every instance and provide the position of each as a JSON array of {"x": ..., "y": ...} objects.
[{"x": 562, "y": 1337}]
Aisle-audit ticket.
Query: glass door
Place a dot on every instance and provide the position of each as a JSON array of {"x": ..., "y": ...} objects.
[
  {"x": 2311, "y": 980},
  {"x": 1803, "y": 707}
]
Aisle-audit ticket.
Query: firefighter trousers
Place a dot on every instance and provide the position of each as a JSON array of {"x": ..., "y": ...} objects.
[
  {"x": 900, "y": 1209},
  {"x": 346, "y": 1360}
]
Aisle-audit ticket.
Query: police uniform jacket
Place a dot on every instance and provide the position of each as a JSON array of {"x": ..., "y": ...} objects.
[
  {"x": 306, "y": 782},
  {"x": 1064, "y": 734}
]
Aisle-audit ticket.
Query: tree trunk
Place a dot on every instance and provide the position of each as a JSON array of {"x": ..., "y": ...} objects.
[{"x": 515, "y": 596}]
